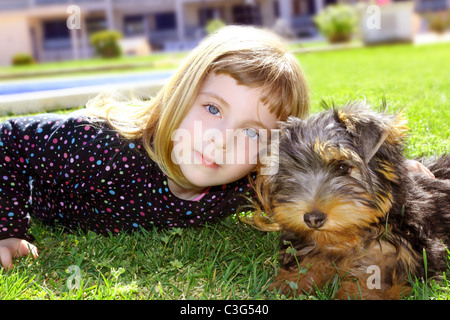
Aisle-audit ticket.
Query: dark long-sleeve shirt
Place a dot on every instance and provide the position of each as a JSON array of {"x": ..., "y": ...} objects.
[{"x": 83, "y": 174}]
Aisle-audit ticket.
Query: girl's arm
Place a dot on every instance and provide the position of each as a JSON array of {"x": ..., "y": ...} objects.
[
  {"x": 30, "y": 149},
  {"x": 15, "y": 179}
]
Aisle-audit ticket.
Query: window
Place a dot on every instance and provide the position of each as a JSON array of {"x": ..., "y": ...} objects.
[
  {"x": 96, "y": 24},
  {"x": 134, "y": 25},
  {"x": 303, "y": 7},
  {"x": 207, "y": 14},
  {"x": 56, "y": 30},
  {"x": 246, "y": 14},
  {"x": 165, "y": 21},
  {"x": 56, "y": 34}
]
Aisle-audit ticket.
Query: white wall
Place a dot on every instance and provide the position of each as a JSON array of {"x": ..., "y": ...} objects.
[{"x": 14, "y": 37}]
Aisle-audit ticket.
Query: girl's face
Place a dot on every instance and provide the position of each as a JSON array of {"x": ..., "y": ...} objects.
[{"x": 219, "y": 139}]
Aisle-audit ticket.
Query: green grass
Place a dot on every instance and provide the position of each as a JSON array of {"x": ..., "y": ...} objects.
[
  {"x": 227, "y": 260},
  {"x": 414, "y": 78},
  {"x": 230, "y": 260}
]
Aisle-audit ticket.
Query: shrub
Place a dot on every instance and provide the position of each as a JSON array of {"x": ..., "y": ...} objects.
[
  {"x": 22, "y": 59},
  {"x": 106, "y": 43},
  {"x": 214, "y": 25},
  {"x": 337, "y": 22},
  {"x": 438, "y": 21}
]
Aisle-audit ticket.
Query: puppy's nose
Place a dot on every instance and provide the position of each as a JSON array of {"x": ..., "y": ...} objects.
[{"x": 314, "y": 219}]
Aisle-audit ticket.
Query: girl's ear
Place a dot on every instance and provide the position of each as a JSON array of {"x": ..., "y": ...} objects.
[{"x": 372, "y": 130}]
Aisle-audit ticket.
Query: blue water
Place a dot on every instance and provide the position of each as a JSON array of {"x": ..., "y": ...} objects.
[{"x": 77, "y": 82}]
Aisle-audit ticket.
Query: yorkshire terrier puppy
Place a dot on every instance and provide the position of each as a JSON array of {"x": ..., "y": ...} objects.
[{"x": 349, "y": 208}]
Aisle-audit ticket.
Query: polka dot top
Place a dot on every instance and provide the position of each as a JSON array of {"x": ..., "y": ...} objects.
[{"x": 80, "y": 174}]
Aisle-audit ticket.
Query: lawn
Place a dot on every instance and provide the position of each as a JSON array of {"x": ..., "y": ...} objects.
[{"x": 230, "y": 260}]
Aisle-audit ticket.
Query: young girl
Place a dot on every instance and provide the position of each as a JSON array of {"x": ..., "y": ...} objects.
[{"x": 114, "y": 168}]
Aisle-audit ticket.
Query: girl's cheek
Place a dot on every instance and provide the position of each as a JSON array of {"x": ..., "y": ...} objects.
[{"x": 246, "y": 152}]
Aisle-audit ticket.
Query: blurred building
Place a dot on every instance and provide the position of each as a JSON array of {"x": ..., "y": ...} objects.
[
  {"x": 39, "y": 27},
  {"x": 432, "y": 5}
]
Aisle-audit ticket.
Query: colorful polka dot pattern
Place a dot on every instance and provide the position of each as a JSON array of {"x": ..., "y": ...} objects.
[{"x": 84, "y": 175}]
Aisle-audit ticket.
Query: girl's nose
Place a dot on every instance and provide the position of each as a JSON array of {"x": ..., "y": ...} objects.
[{"x": 217, "y": 137}]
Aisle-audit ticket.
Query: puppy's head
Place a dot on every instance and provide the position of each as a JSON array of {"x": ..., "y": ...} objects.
[{"x": 336, "y": 174}]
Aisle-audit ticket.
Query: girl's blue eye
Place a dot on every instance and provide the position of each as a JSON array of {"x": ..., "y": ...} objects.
[
  {"x": 213, "y": 110},
  {"x": 251, "y": 133}
]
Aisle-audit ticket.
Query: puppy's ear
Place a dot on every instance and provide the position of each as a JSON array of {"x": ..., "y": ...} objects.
[
  {"x": 372, "y": 144},
  {"x": 372, "y": 130}
]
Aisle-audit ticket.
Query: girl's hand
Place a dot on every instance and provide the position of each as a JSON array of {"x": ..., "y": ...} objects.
[
  {"x": 416, "y": 166},
  {"x": 14, "y": 248}
]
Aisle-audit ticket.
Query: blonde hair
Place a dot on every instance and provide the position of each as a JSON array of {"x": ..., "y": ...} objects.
[{"x": 252, "y": 56}]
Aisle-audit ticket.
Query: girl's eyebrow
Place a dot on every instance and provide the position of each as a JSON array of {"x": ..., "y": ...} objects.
[{"x": 215, "y": 96}]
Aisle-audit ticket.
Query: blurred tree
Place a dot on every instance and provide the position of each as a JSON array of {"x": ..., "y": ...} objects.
[
  {"x": 106, "y": 43},
  {"x": 214, "y": 25},
  {"x": 22, "y": 59},
  {"x": 337, "y": 22}
]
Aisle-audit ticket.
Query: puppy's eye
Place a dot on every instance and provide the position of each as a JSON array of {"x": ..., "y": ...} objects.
[{"x": 344, "y": 169}]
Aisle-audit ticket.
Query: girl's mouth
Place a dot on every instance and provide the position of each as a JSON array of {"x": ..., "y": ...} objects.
[{"x": 206, "y": 162}]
